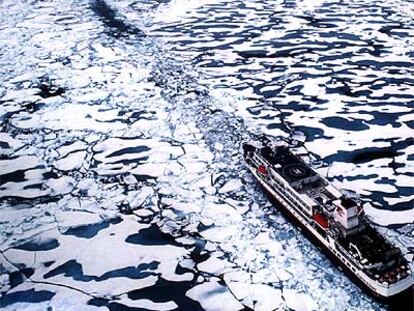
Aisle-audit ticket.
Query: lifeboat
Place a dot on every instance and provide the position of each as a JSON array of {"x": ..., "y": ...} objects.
[
  {"x": 262, "y": 171},
  {"x": 321, "y": 220}
]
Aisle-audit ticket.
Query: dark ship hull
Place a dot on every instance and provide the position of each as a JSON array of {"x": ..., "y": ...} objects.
[{"x": 294, "y": 187}]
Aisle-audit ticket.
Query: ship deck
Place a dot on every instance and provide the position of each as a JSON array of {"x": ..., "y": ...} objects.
[{"x": 370, "y": 245}]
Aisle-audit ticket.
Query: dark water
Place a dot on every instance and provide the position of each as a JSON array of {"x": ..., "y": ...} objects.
[{"x": 121, "y": 183}]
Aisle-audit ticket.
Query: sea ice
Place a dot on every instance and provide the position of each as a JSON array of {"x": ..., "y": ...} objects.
[
  {"x": 231, "y": 185},
  {"x": 214, "y": 297},
  {"x": 212, "y": 265},
  {"x": 298, "y": 301}
]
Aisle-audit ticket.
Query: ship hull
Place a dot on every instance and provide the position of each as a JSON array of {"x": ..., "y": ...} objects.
[{"x": 407, "y": 295}]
